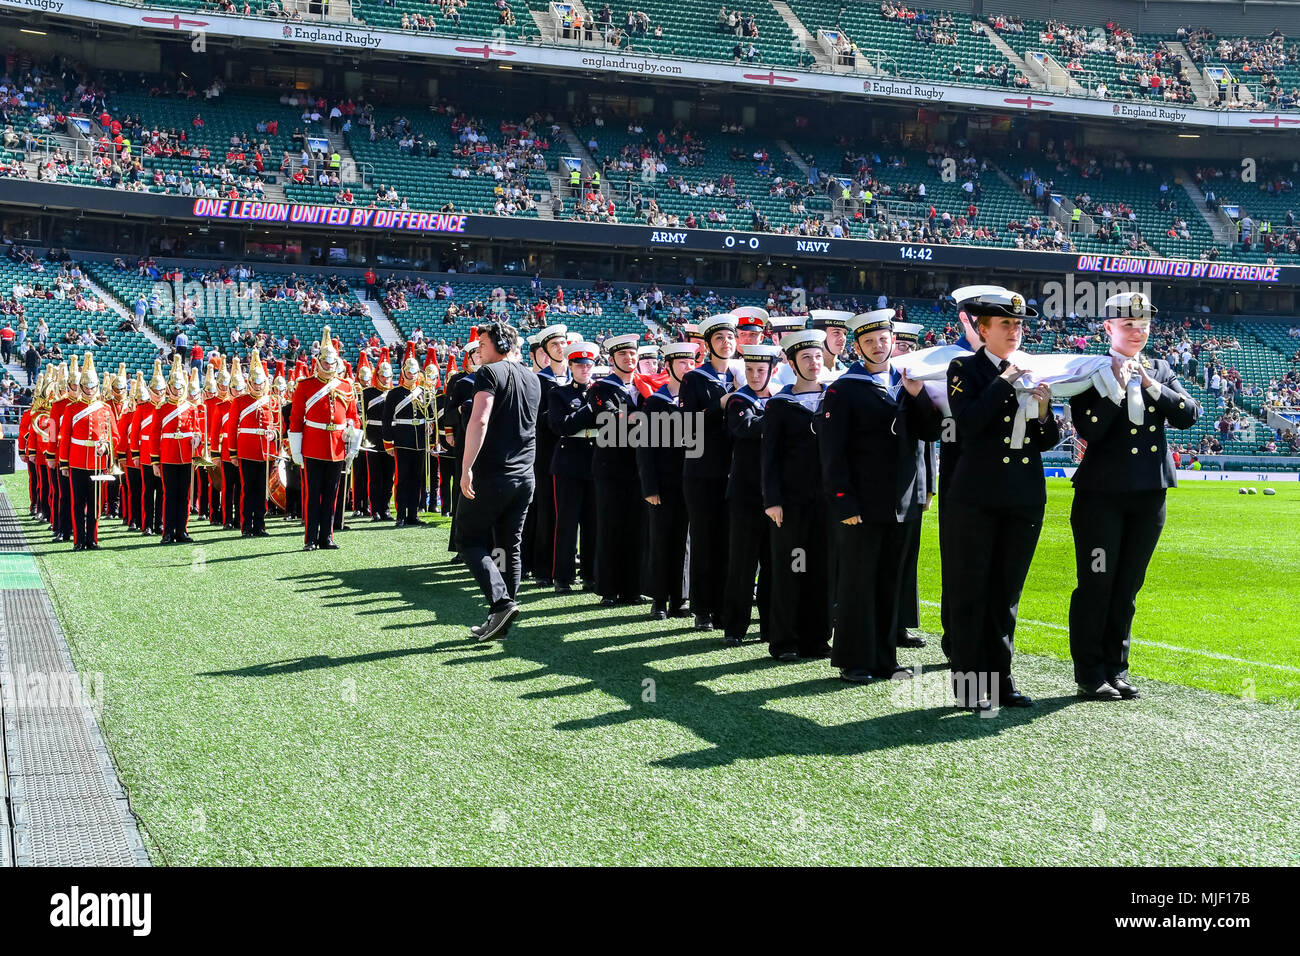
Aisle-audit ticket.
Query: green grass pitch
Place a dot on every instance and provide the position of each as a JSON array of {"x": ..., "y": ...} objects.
[{"x": 266, "y": 706}]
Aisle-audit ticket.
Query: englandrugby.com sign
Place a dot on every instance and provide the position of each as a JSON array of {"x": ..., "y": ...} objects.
[{"x": 191, "y": 23}]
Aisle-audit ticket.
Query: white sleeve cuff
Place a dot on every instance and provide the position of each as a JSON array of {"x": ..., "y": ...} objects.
[{"x": 1154, "y": 390}]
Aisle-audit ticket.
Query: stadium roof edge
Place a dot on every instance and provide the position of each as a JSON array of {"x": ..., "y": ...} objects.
[{"x": 352, "y": 39}]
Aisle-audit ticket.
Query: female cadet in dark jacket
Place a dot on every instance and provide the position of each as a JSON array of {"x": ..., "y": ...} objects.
[
  {"x": 571, "y": 412},
  {"x": 873, "y": 467},
  {"x": 793, "y": 499},
  {"x": 997, "y": 498}
]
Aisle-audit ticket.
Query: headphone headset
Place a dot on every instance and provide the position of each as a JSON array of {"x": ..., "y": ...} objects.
[{"x": 497, "y": 337}]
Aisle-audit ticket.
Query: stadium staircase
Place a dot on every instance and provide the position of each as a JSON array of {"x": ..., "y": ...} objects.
[
  {"x": 793, "y": 155},
  {"x": 809, "y": 40},
  {"x": 1205, "y": 94},
  {"x": 577, "y": 148},
  {"x": 123, "y": 312},
  {"x": 388, "y": 333},
  {"x": 1224, "y": 234},
  {"x": 1015, "y": 59}
]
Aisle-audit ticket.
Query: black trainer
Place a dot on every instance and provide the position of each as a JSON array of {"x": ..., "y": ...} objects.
[{"x": 498, "y": 623}]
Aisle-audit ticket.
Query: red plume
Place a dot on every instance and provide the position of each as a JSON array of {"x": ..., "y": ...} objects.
[
  {"x": 473, "y": 334},
  {"x": 451, "y": 369}
]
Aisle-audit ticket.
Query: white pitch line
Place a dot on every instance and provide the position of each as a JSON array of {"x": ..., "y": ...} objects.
[{"x": 1166, "y": 647}]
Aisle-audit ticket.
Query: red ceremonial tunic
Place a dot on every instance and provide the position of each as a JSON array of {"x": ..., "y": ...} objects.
[
  {"x": 176, "y": 437},
  {"x": 320, "y": 412},
  {"x": 85, "y": 427}
]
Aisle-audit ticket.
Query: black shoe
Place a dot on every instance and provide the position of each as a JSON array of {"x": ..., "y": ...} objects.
[
  {"x": 385, "y": 516},
  {"x": 261, "y": 533},
  {"x": 588, "y": 586},
  {"x": 498, "y": 623},
  {"x": 229, "y": 527},
  {"x": 731, "y": 640},
  {"x": 310, "y": 546},
  {"x": 327, "y": 546},
  {"x": 359, "y": 514},
  {"x": 788, "y": 657},
  {"x": 167, "y": 539},
  {"x": 93, "y": 546},
  {"x": 562, "y": 588},
  {"x": 855, "y": 675},
  {"x": 608, "y": 602},
  {"x": 911, "y": 640},
  {"x": 897, "y": 672},
  {"x": 1126, "y": 690},
  {"x": 658, "y": 612},
  {"x": 77, "y": 547},
  {"x": 184, "y": 538},
  {"x": 631, "y": 601},
  {"x": 703, "y": 622},
  {"x": 245, "y": 534},
  {"x": 399, "y": 523},
  {"x": 550, "y": 582},
  {"x": 1015, "y": 699},
  {"x": 416, "y": 522},
  {"x": 1102, "y": 691},
  {"x": 682, "y": 611},
  {"x": 979, "y": 706},
  {"x": 821, "y": 654},
  {"x": 340, "y": 528}
]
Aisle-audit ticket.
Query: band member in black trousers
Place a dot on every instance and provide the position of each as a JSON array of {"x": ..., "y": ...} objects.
[
  {"x": 793, "y": 500},
  {"x": 906, "y": 339},
  {"x": 660, "y": 470},
  {"x": 549, "y": 353},
  {"x": 704, "y": 479},
  {"x": 997, "y": 499},
  {"x": 872, "y": 447},
  {"x": 571, "y": 413},
  {"x": 1119, "y": 496},
  {"x": 749, "y": 546},
  {"x": 620, "y": 509}
]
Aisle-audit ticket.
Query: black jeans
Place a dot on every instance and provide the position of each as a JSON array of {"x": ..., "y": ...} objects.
[{"x": 491, "y": 527}]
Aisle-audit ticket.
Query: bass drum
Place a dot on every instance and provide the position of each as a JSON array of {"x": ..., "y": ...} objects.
[{"x": 277, "y": 485}]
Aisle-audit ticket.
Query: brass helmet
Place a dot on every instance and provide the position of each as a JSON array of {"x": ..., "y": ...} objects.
[
  {"x": 328, "y": 363},
  {"x": 120, "y": 383},
  {"x": 72, "y": 377},
  {"x": 410, "y": 366},
  {"x": 279, "y": 383},
  {"x": 210, "y": 382},
  {"x": 89, "y": 377},
  {"x": 257, "y": 377},
  {"x": 223, "y": 375},
  {"x": 177, "y": 384},
  {"x": 365, "y": 374},
  {"x": 431, "y": 371},
  {"x": 237, "y": 383},
  {"x": 384, "y": 373},
  {"x": 196, "y": 387}
]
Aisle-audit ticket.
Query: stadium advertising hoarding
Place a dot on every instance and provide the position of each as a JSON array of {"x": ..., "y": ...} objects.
[{"x": 351, "y": 38}]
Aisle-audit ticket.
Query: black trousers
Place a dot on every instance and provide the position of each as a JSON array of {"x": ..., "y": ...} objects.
[
  {"x": 668, "y": 523},
  {"x": 379, "y": 481},
  {"x": 800, "y": 612},
  {"x": 230, "y": 496},
  {"x": 150, "y": 500},
  {"x": 494, "y": 519},
  {"x": 429, "y": 502},
  {"x": 446, "y": 471},
  {"x": 35, "y": 476},
  {"x": 995, "y": 549},
  {"x": 134, "y": 488},
  {"x": 175, "y": 498},
  {"x": 214, "y": 495},
  {"x": 320, "y": 489},
  {"x": 112, "y": 498},
  {"x": 340, "y": 497},
  {"x": 203, "y": 492},
  {"x": 359, "y": 492},
  {"x": 543, "y": 510},
  {"x": 866, "y": 605},
  {"x": 619, "y": 545},
  {"x": 909, "y": 600},
  {"x": 949, "y": 568},
  {"x": 528, "y": 542},
  {"x": 453, "y": 542},
  {"x": 575, "y": 509},
  {"x": 1114, "y": 538},
  {"x": 85, "y": 505},
  {"x": 749, "y": 552},
  {"x": 706, "y": 505},
  {"x": 65, "y": 504},
  {"x": 409, "y": 464},
  {"x": 49, "y": 499},
  {"x": 293, "y": 490},
  {"x": 252, "y": 500}
]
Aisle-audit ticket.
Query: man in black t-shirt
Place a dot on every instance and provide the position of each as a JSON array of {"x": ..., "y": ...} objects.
[{"x": 496, "y": 477}]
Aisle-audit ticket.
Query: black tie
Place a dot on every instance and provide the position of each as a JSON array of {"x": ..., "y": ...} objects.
[{"x": 1002, "y": 366}]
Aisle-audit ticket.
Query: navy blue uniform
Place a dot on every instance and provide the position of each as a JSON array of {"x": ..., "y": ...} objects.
[
  {"x": 704, "y": 485},
  {"x": 660, "y": 472},
  {"x": 620, "y": 509},
  {"x": 749, "y": 542},
  {"x": 571, "y": 412}
]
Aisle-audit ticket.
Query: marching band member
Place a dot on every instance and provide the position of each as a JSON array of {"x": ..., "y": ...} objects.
[
  {"x": 345, "y": 480},
  {"x": 1119, "y": 496},
  {"x": 24, "y": 449},
  {"x": 323, "y": 432},
  {"x": 433, "y": 458},
  {"x": 793, "y": 500},
  {"x": 704, "y": 478},
  {"x": 620, "y": 511},
  {"x": 571, "y": 413},
  {"x": 660, "y": 471},
  {"x": 749, "y": 546},
  {"x": 144, "y": 422},
  {"x": 204, "y": 476},
  {"x": 365, "y": 377},
  {"x": 379, "y": 458},
  {"x": 86, "y": 445},
  {"x": 873, "y": 468},
  {"x": 118, "y": 502},
  {"x": 223, "y": 442},
  {"x": 403, "y": 426},
  {"x": 552, "y": 342},
  {"x": 176, "y": 437},
  {"x": 292, "y": 471},
  {"x": 997, "y": 499},
  {"x": 253, "y": 431},
  {"x": 62, "y": 517}
]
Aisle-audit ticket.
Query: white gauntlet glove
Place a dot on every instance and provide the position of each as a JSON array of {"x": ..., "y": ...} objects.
[{"x": 295, "y": 447}]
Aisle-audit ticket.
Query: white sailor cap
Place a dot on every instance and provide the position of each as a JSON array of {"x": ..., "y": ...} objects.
[
  {"x": 785, "y": 323},
  {"x": 908, "y": 331},
  {"x": 680, "y": 350},
  {"x": 750, "y": 317},
  {"x": 993, "y": 300},
  {"x": 583, "y": 352},
  {"x": 552, "y": 332},
  {"x": 795, "y": 342},
  {"x": 829, "y": 319},
  {"x": 533, "y": 341},
  {"x": 472, "y": 346},
  {"x": 716, "y": 323},
  {"x": 760, "y": 353},
  {"x": 647, "y": 352},
  {"x": 617, "y": 343},
  {"x": 571, "y": 337},
  {"x": 1129, "y": 305},
  {"x": 872, "y": 321}
]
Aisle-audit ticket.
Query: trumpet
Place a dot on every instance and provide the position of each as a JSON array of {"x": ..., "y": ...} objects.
[
  {"x": 205, "y": 459},
  {"x": 113, "y": 470},
  {"x": 366, "y": 443}
]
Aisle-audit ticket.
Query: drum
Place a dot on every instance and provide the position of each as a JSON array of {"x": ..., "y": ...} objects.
[{"x": 277, "y": 485}]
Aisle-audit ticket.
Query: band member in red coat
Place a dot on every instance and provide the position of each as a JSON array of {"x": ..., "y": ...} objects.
[
  {"x": 251, "y": 435},
  {"x": 84, "y": 444},
  {"x": 61, "y": 514},
  {"x": 175, "y": 440},
  {"x": 324, "y": 431}
]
